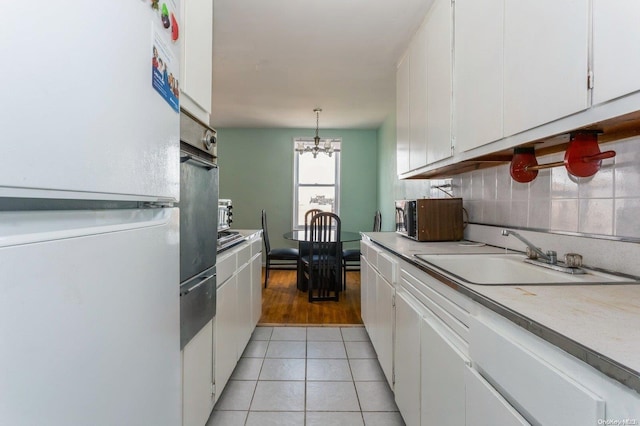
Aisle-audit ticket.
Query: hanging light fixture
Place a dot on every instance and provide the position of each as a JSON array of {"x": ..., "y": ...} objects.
[{"x": 326, "y": 148}]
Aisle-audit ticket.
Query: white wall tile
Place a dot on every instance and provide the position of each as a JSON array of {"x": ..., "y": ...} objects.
[
  {"x": 519, "y": 213},
  {"x": 564, "y": 215},
  {"x": 503, "y": 184},
  {"x": 627, "y": 223},
  {"x": 604, "y": 204},
  {"x": 563, "y": 185},
  {"x": 540, "y": 187},
  {"x": 596, "y": 216},
  {"x": 489, "y": 212},
  {"x": 519, "y": 191},
  {"x": 476, "y": 185},
  {"x": 503, "y": 212},
  {"x": 489, "y": 184},
  {"x": 627, "y": 168},
  {"x": 599, "y": 185},
  {"x": 539, "y": 213}
]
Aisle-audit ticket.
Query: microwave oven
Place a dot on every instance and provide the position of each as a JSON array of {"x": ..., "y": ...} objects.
[{"x": 430, "y": 219}]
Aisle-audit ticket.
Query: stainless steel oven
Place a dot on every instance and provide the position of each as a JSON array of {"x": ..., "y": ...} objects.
[{"x": 198, "y": 225}]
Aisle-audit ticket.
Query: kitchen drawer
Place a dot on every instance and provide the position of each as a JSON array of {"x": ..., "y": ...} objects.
[
  {"x": 540, "y": 391},
  {"x": 226, "y": 266},
  {"x": 387, "y": 267},
  {"x": 244, "y": 254},
  {"x": 448, "y": 312},
  {"x": 370, "y": 253},
  {"x": 256, "y": 246}
]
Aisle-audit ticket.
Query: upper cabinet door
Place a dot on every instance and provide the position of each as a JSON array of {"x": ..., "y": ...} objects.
[
  {"x": 439, "y": 58},
  {"x": 418, "y": 99},
  {"x": 403, "y": 143},
  {"x": 616, "y": 69},
  {"x": 478, "y": 75},
  {"x": 197, "y": 54},
  {"x": 545, "y": 61}
]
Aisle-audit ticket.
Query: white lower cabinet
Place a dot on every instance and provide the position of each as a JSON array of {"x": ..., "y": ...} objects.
[
  {"x": 225, "y": 333},
  {"x": 442, "y": 375},
  {"x": 245, "y": 309},
  {"x": 377, "y": 303},
  {"x": 484, "y": 406},
  {"x": 197, "y": 386},
  {"x": 452, "y": 361},
  {"x": 543, "y": 392},
  {"x": 385, "y": 293},
  {"x": 407, "y": 387},
  {"x": 256, "y": 285},
  {"x": 238, "y": 307}
]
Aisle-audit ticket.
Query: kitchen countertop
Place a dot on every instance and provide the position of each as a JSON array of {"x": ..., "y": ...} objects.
[{"x": 598, "y": 324}]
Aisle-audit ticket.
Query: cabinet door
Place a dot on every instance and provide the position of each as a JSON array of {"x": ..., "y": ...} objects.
[
  {"x": 384, "y": 326},
  {"x": 225, "y": 350},
  {"x": 485, "y": 406},
  {"x": 407, "y": 359},
  {"x": 256, "y": 290},
  {"x": 243, "y": 316},
  {"x": 478, "y": 72},
  {"x": 402, "y": 115},
  {"x": 197, "y": 375},
  {"x": 438, "y": 28},
  {"x": 616, "y": 70},
  {"x": 442, "y": 401},
  {"x": 542, "y": 391},
  {"x": 545, "y": 59},
  {"x": 368, "y": 288},
  {"x": 197, "y": 36},
  {"x": 418, "y": 100}
]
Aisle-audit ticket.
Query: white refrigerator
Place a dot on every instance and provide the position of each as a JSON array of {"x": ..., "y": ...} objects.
[{"x": 89, "y": 231}]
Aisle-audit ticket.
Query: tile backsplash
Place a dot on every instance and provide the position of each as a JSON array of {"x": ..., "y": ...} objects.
[{"x": 607, "y": 203}]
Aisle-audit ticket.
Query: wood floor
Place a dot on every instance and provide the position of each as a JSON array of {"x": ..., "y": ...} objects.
[{"x": 284, "y": 304}]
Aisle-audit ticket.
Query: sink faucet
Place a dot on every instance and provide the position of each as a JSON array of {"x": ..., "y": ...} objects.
[{"x": 550, "y": 256}]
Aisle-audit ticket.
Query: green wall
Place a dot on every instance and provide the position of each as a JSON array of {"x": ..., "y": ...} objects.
[{"x": 256, "y": 172}]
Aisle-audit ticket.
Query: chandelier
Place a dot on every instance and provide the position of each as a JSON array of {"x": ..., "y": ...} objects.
[{"x": 327, "y": 146}]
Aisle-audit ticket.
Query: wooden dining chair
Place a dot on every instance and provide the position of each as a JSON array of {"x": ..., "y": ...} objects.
[
  {"x": 323, "y": 260},
  {"x": 351, "y": 257},
  {"x": 285, "y": 256},
  {"x": 303, "y": 247}
]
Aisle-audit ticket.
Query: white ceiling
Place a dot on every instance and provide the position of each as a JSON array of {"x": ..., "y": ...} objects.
[{"x": 274, "y": 61}]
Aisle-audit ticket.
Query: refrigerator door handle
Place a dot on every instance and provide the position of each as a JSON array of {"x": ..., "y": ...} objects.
[{"x": 184, "y": 157}]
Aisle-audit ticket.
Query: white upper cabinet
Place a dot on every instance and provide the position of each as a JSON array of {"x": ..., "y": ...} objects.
[
  {"x": 197, "y": 53},
  {"x": 423, "y": 92},
  {"x": 439, "y": 30},
  {"x": 477, "y": 87},
  {"x": 418, "y": 99},
  {"x": 403, "y": 143},
  {"x": 545, "y": 61},
  {"x": 615, "y": 68}
]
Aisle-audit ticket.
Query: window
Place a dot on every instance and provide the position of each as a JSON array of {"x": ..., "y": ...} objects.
[{"x": 316, "y": 181}]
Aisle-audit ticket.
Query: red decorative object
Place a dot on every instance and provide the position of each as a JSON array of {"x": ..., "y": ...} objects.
[
  {"x": 521, "y": 163},
  {"x": 175, "y": 32},
  {"x": 583, "y": 157}
]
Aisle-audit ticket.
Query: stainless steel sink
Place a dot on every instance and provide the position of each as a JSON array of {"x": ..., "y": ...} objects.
[{"x": 510, "y": 269}]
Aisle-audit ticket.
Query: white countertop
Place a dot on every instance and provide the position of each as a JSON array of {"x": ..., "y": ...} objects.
[{"x": 604, "y": 319}]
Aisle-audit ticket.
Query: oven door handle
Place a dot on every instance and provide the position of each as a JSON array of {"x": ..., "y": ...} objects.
[
  {"x": 203, "y": 280},
  {"x": 184, "y": 157}
]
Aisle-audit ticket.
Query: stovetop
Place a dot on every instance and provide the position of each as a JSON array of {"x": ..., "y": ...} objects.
[{"x": 228, "y": 239}]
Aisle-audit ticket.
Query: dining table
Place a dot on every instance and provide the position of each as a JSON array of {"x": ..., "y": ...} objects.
[{"x": 302, "y": 236}]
